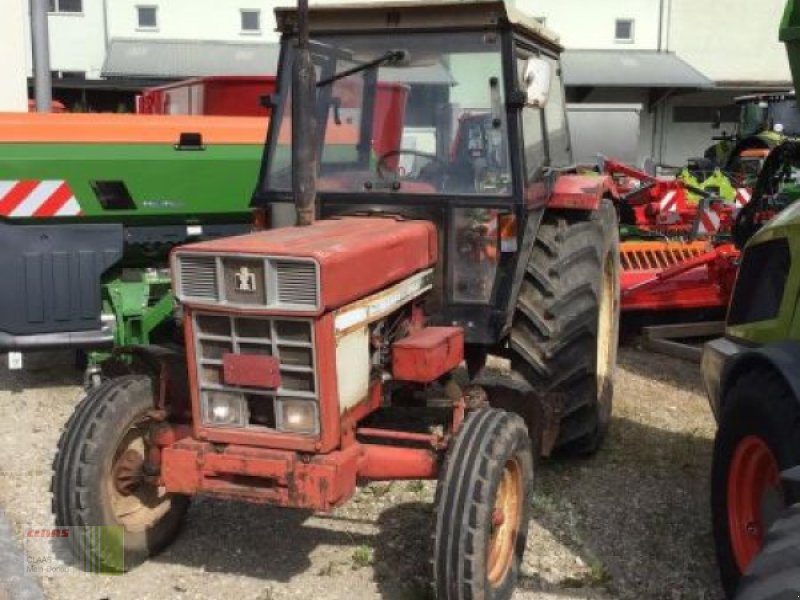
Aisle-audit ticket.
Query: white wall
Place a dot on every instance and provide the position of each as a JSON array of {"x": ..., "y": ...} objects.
[
  {"x": 14, "y": 87},
  {"x": 192, "y": 19},
  {"x": 590, "y": 24},
  {"x": 77, "y": 40},
  {"x": 741, "y": 41}
]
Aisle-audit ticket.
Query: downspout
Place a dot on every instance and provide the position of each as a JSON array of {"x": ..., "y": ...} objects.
[{"x": 42, "y": 80}]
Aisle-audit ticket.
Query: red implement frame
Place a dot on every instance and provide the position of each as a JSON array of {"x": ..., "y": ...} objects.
[{"x": 678, "y": 274}]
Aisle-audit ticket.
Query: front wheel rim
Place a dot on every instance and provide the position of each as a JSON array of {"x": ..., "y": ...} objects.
[
  {"x": 505, "y": 523},
  {"x": 135, "y": 503},
  {"x": 753, "y": 479}
]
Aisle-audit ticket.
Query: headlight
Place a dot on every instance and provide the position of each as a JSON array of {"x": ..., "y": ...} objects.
[
  {"x": 297, "y": 416},
  {"x": 225, "y": 409}
]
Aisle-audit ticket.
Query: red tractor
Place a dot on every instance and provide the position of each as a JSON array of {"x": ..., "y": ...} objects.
[{"x": 327, "y": 354}]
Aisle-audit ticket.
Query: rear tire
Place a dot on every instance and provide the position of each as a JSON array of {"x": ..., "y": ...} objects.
[
  {"x": 758, "y": 437},
  {"x": 483, "y": 502},
  {"x": 775, "y": 572},
  {"x": 97, "y": 479},
  {"x": 566, "y": 325}
]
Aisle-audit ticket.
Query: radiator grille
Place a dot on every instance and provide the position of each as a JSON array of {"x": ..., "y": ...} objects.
[
  {"x": 198, "y": 277},
  {"x": 297, "y": 283},
  {"x": 291, "y": 341},
  {"x": 249, "y": 281}
]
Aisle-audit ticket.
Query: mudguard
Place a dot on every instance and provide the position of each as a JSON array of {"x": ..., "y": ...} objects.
[
  {"x": 782, "y": 357},
  {"x": 581, "y": 192}
]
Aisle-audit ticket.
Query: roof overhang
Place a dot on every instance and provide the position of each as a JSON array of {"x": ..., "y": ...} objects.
[
  {"x": 630, "y": 69},
  {"x": 177, "y": 59}
]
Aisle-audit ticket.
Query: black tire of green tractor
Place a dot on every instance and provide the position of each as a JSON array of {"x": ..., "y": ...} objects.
[
  {"x": 482, "y": 508},
  {"x": 775, "y": 573},
  {"x": 566, "y": 324},
  {"x": 759, "y": 403},
  {"x": 103, "y": 424}
]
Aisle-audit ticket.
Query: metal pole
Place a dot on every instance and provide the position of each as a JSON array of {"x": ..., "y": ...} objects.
[
  {"x": 41, "y": 56},
  {"x": 304, "y": 93}
]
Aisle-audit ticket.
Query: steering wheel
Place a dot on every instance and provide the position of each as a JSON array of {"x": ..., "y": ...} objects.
[{"x": 392, "y": 153}]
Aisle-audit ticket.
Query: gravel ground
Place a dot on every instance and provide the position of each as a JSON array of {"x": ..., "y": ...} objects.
[{"x": 630, "y": 523}]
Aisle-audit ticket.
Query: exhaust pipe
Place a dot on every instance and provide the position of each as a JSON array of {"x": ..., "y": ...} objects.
[{"x": 304, "y": 123}]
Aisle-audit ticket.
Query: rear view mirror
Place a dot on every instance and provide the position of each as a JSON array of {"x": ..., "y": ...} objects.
[{"x": 536, "y": 81}]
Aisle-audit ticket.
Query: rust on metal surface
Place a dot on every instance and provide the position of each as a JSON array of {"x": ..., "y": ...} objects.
[
  {"x": 385, "y": 250},
  {"x": 428, "y": 354},
  {"x": 250, "y": 370}
]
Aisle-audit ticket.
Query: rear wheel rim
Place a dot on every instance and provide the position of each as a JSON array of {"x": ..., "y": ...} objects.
[
  {"x": 505, "y": 523},
  {"x": 135, "y": 504},
  {"x": 605, "y": 325},
  {"x": 753, "y": 484}
]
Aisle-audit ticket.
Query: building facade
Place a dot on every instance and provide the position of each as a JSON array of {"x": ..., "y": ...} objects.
[
  {"x": 13, "y": 92},
  {"x": 682, "y": 61}
]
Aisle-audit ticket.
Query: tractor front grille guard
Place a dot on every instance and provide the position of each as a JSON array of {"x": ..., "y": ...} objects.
[{"x": 289, "y": 342}]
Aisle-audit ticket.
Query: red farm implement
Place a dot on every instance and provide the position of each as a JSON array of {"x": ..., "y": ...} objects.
[{"x": 675, "y": 253}]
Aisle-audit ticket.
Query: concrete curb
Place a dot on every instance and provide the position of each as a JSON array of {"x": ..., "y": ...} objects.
[{"x": 15, "y": 584}]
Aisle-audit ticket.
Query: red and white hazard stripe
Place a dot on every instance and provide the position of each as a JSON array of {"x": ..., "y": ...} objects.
[
  {"x": 668, "y": 209},
  {"x": 31, "y": 198},
  {"x": 709, "y": 222},
  {"x": 669, "y": 201},
  {"x": 742, "y": 198}
]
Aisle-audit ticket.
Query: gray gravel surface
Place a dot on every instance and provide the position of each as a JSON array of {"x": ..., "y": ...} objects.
[{"x": 630, "y": 523}]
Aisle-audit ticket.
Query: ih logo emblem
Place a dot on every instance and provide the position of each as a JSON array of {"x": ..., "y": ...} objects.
[{"x": 245, "y": 280}]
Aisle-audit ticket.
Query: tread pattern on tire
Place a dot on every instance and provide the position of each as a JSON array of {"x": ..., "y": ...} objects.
[
  {"x": 758, "y": 403},
  {"x": 775, "y": 573},
  {"x": 464, "y": 500},
  {"x": 554, "y": 333},
  {"x": 76, "y": 455}
]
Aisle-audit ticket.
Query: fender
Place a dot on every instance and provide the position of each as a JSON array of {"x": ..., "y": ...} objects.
[
  {"x": 781, "y": 357},
  {"x": 581, "y": 192},
  {"x": 167, "y": 368}
]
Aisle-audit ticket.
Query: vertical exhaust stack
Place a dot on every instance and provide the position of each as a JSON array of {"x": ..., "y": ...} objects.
[{"x": 304, "y": 123}]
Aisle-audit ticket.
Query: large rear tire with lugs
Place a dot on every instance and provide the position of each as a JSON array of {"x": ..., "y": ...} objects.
[
  {"x": 483, "y": 506},
  {"x": 99, "y": 480},
  {"x": 566, "y": 323}
]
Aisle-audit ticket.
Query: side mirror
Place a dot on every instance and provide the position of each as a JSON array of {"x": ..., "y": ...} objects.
[{"x": 536, "y": 82}]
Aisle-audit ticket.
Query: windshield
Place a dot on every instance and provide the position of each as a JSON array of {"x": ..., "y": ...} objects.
[
  {"x": 786, "y": 115},
  {"x": 403, "y": 113}
]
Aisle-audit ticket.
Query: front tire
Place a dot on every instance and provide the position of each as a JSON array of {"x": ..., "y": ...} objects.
[
  {"x": 758, "y": 437},
  {"x": 566, "y": 324},
  {"x": 483, "y": 502},
  {"x": 98, "y": 479}
]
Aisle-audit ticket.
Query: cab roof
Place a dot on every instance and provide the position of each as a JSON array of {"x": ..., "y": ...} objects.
[{"x": 417, "y": 15}]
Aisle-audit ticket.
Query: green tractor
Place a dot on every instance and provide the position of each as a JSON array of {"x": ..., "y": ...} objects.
[{"x": 752, "y": 378}]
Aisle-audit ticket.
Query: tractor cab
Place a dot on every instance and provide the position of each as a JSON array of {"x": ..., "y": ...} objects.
[{"x": 461, "y": 127}]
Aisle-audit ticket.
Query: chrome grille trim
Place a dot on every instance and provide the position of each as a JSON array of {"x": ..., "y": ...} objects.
[
  {"x": 197, "y": 278},
  {"x": 291, "y": 284},
  {"x": 296, "y": 283}
]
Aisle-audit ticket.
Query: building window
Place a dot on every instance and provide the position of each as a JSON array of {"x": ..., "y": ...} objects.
[
  {"x": 66, "y": 6},
  {"x": 623, "y": 30},
  {"x": 147, "y": 17},
  {"x": 251, "y": 21}
]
